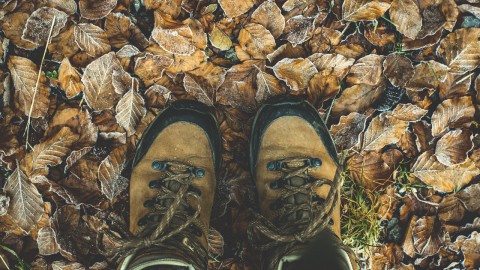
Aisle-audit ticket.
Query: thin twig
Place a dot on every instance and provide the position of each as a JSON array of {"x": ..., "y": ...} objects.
[
  {"x": 49, "y": 39},
  {"x": 6, "y": 265}
]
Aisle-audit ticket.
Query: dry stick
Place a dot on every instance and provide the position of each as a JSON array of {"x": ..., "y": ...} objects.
[
  {"x": 1, "y": 257},
  {"x": 49, "y": 39}
]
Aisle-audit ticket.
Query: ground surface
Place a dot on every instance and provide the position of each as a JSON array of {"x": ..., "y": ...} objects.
[{"x": 396, "y": 82}]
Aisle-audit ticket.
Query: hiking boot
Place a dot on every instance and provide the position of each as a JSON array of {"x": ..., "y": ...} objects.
[
  {"x": 296, "y": 172},
  {"x": 172, "y": 188}
]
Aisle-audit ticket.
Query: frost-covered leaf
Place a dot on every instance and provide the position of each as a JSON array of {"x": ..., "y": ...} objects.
[
  {"x": 150, "y": 68},
  {"x": 109, "y": 171},
  {"x": 298, "y": 29},
  {"x": 453, "y": 147},
  {"x": 470, "y": 197},
  {"x": 67, "y": 6},
  {"x": 176, "y": 40},
  {"x": 69, "y": 79},
  {"x": 233, "y": 8},
  {"x": 96, "y": 9},
  {"x": 398, "y": 69},
  {"x": 39, "y": 23},
  {"x": 409, "y": 112},
  {"x": 367, "y": 70},
  {"x": 428, "y": 75},
  {"x": 13, "y": 25},
  {"x": 406, "y": 16},
  {"x": 121, "y": 31},
  {"x": 204, "y": 81},
  {"x": 337, "y": 64},
  {"x": 270, "y": 16},
  {"x": 357, "y": 98},
  {"x": 219, "y": 39},
  {"x": 452, "y": 113},
  {"x": 46, "y": 240},
  {"x": 346, "y": 134},
  {"x": 295, "y": 72},
  {"x": 268, "y": 86},
  {"x": 461, "y": 50},
  {"x": 383, "y": 130},
  {"x": 130, "y": 109},
  {"x": 364, "y": 10},
  {"x": 92, "y": 39},
  {"x": 256, "y": 40},
  {"x": 428, "y": 235},
  {"x": 369, "y": 169}
]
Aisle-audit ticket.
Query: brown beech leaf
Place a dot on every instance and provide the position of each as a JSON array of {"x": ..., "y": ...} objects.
[
  {"x": 79, "y": 121},
  {"x": 451, "y": 210},
  {"x": 270, "y": 16},
  {"x": 408, "y": 144},
  {"x": 69, "y": 79},
  {"x": 452, "y": 113},
  {"x": 128, "y": 51},
  {"x": 204, "y": 81},
  {"x": 295, "y": 72},
  {"x": 47, "y": 244},
  {"x": 336, "y": 64},
  {"x": 453, "y": 147},
  {"x": 130, "y": 109},
  {"x": 346, "y": 134},
  {"x": 75, "y": 156},
  {"x": 99, "y": 92},
  {"x": 369, "y": 170},
  {"x": 379, "y": 34},
  {"x": 234, "y": 8},
  {"x": 64, "y": 43},
  {"x": 470, "y": 197},
  {"x": 219, "y": 39},
  {"x": 13, "y": 25},
  {"x": 323, "y": 86},
  {"x": 92, "y": 39},
  {"x": 39, "y": 23},
  {"x": 298, "y": 29},
  {"x": 409, "y": 112},
  {"x": 150, "y": 68},
  {"x": 26, "y": 205},
  {"x": 267, "y": 86},
  {"x": 367, "y": 70},
  {"x": 383, "y": 130},
  {"x": 428, "y": 75},
  {"x": 176, "y": 40},
  {"x": 50, "y": 152},
  {"x": 324, "y": 40},
  {"x": 24, "y": 75},
  {"x": 406, "y": 16},
  {"x": 65, "y": 265},
  {"x": 286, "y": 51},
  {"x": 364, "y": 10},
  {"x": 256, "y": 40},
  {"x": 471, "y": 250},
  {"x": 443, "y": 178},
  {"x": 471, "y": 9},
  {"x": 157, "y": 96},
  {"x": 428, "y": 235},
  {"x": 357, "y": 98},
  {"x": 423, "y": 133},
  {"x": 109, "y": 171},
  {"x": 398, "y": 69},
  {"x": 455, "y": 86},
  {"x": 121, "y": 31},
  {"x": 461, "y": 50},
  {"x": 67, "y": 6},
  {"x": 95, "y": 9}
]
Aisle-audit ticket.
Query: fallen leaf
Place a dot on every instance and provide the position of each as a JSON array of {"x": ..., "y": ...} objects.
[
  {"x": 172, "y": 8},
  {"x": 267, "y": 86},
  {"x": 286, "y": 51},
  {"x": 323, "y": 86},
  {"x": 24, "y": 76},
  {"x": 428, "y": 235},
  {"x": 219, "y": 39},
  {"x": 357, "y": 98},
  {"x": 99, "y": 92},
  {"x": 75, "y": 156},
  {"x": 156, "y": 96},
  {"x": 26, "y": 205},
  {"x": 398, "y": 69},
  {"x": 453, "y": 147},
  {"x": 324, "y": 40},
  {"x": 364, "y": 10},
  {"x": 64, "y": 43},
  {"x": 346, "y": 134},
  {"x": 461, "y": 50},
  {"x": 63, "y": 265},
  {"x": 256, "y": 40},
  {"x": 369, "y": 170},
  {"x": 92, "y": 39},
  {"x": 387, "y": 204},
  {"x": 176, "y": 40},
  {"x": 150, "y": 68},
  {"x": 112, "y": 183},
  {"x": 121, "y": 31},
  {"x": 471, "y": 9},
  {"x": 67, "y": 6},
  {"x": 130, "y": 109},
  {"x": 298, "y": 29},
  {"x": 79, "y": 121},
  {"x": 47, "y": 244},
  {"x": 69, "y": 79},
  {"x": 451, "y": 210},
  {"x": 406, "y": 16},
  {"x": 336, "y": 64},
  {"x": 471, "y": 251},
  {"x": 383, "y": 130},
  {"x": 94, "y": 9},
  {"x": 452, "y": 113},
  {"x": 379, "y": 34},
  {"x": 234, "y": 8},
  {"x": 409, "y": 112},
  {"x": 408, "y": 144},
  {"x": 470, "y": 198},
  {"x": 428, "y": 75},
  {"x": 367, "y": 70},
  {"x": 443, "y": 178},
  {"x": 37, "y": 28},
  {"x": 295, "y": 72},
  {"x": 455, "y": 86},
  {"x": 270, "y": 16},
  {"x": 13, "y": 25}
]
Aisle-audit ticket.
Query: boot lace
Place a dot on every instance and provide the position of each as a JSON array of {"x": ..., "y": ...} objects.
[{"x": 171, "y": 215}]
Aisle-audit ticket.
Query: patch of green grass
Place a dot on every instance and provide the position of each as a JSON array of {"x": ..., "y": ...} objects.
[
  {"x": 361, "y": 227},
  {"x": 21, "y": 264},
  {"x": 403, "y": 179}
]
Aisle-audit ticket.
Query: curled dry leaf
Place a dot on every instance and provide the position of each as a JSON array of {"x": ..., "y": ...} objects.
[
  {"x": 256, "y": 40},
  {"x": 346, "y": 134},
  {"x": 295, "y": 72},
  {"x": 79, "y": 121},
  {"x": 24, "y": 75},
  {"x": 367, "y": 70},
  {"x": 324, "y": 40},
  {"x": 47, "y": 244},
  {"x": 398, "y": 69},
  {"x": 357, "y": 98},
  {"x": 423, "y": 134},
  {"x": 470, "y": 197},
  {"x": 176, "y": 40},
  {"x": 270, "y": 16},
  {"x": 92, "y": 39},
  {"x": 75, "y": 156},
  {"x": 455, "y": 86},
  {"x": 286, "y": 51},
  {"x": 204, "y": 81},
  {"x": 471, "y": 9},
  {"x": 64, "y": 265},
  {"x": 409, "y": 112},
  {"x": 99, "y": 92},
  {"x": 69, "y": 79},
  {"x": 408, "y": 144},
  {"x": 219, "y": 39},
  {"x": 26, "y": 205},
  {"x": 112, "y": 183},
  {"x": 406, "y": 16},
  {"x": 461, "y": 50},
  {"x": 471, "y": 251},
  {"x": 64, "y": 43},
  {"x": 67, "y": 6},
  {"x": 40, "y": 22},
  {"x": 337, "y": 64},
  {"x": 95, "y": 9},
  {"x": 4, "y": 203},
  {"x": 453, "y": 147},
  {"x": 323, "y": 86},
  {"x": 428, "y": 235},
  {"x": 267, "y": 86},
  {"x": 130, "y": 109},
  {"x": 451, "y": 210},
  {"x": 443, "y": 178},
  {"x": 428, "y": 75},
  {"x": 13, "y": 25},
  {"x": 234, "y": 8},
  {"x": 298, "y": 29},
  {"x": 452, "y": 113},
  {"x": 364, "y": 10},
  {"x": 150, "y": 68},
  {"x": 121, "y": 31},
  {"x": 383, "y": 130},
  {"x": 156, "y": 96},
  {"x": 369, "y": 169}
]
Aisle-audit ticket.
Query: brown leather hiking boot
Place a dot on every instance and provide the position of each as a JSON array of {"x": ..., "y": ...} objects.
[
  {"x": 296, "y": 171},
  {"x": 172, "y": 188}
]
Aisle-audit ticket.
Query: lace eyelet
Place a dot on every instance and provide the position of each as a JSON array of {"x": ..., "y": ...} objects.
[
  {"x": 155, "y": 184},
  {"x": 199, "y": 173},
  {"x": 331, "y": 222},
  {"x": 314, "y": 162},
  {"x": 159, "y": 165}
]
